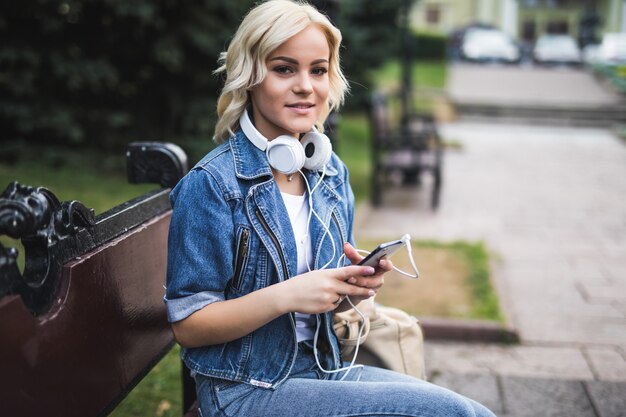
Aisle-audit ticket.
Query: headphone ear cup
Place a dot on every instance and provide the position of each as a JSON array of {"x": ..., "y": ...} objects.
[
  {"x": 285, "y": 154},
  {"x": 317, "y": 150}
]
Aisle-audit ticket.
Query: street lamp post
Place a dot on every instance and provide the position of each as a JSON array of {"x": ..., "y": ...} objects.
[{"x": 408, "y": 44}]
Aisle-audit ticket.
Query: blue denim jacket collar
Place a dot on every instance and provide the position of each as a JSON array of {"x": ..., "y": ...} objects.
[{"x": 250, "y": 161}]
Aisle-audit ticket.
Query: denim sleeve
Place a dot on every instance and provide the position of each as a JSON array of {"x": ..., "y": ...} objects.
[{"x": 200, "y": 245}]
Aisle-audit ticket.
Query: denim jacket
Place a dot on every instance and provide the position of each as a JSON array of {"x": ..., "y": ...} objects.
[{"x": 230, "y": 235}]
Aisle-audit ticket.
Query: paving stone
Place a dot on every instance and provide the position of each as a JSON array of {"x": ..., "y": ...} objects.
[
  {"x": 503, "y": 360},
  {"x": 605, "y": 293},
  {"x": 607, "y": 363},
  {"x": 526, "y": 397},
  {"x": 481, "y": 388},
  {"x": 569, "y": 328},
  {"x": 609, "y": 398}
]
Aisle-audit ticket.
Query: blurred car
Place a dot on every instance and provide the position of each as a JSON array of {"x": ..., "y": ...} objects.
[
  {"x": 556, "y": 50},
  {"x": 612, "y": 49},
  {"x": 609, "y": 60},
  {"x": 455, "y": 39},
  {"x": 489, "y": 45}
]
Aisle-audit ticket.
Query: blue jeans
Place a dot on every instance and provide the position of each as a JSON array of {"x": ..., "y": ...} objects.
[{"x": 308, "y": 392}]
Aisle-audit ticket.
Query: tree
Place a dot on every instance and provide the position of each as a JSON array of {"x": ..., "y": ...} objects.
[
  {"x": 372, "y": 36},
  {"x": 101, "y": 73}
]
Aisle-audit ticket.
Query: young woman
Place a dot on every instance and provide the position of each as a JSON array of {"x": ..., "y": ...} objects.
[{"x": 257, "y": 234}]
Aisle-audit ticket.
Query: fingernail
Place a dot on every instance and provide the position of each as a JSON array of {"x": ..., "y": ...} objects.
[
  {"x": 369, "y": 270},
  {"x": 371, "y": 293},
  {"x": 352, "y": 280}
]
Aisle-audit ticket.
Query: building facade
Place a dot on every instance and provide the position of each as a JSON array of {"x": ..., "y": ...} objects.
[{"x": 585, "y": 20}]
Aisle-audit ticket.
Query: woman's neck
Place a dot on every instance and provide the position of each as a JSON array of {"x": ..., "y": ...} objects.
[{"x": 290, "y": 183}]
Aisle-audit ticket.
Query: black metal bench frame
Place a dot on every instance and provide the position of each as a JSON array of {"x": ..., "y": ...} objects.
[
  {"x": 412, "y": 148},
  {"x": 54, "y": 331}
]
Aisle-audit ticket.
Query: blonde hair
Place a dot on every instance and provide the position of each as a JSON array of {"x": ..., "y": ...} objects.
[{"x": 264, "y": 29}]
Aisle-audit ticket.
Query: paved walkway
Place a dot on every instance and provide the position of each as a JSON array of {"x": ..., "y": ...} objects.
[
  {"x": 533, "y": 86},
  {"x": 550, "y": 204},
  {"x": 557, "y": 96}
]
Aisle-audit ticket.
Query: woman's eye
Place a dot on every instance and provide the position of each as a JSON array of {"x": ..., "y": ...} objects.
[
  {"x": 319, "y": 71},
  {"x": 283, "y": 69}
]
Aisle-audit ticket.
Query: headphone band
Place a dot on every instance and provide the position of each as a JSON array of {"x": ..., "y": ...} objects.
[
  {"x": 251, "y": 132},
  {"x": 286, "y": 154}
]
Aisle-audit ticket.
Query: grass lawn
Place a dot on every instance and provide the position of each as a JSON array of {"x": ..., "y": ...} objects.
[
  {"x": 454, "y": 281},
  {"x": 426, "y": 75},
  {"x": 159, "y": 394}
]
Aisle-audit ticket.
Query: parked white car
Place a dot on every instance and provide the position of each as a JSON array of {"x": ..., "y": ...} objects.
[
  {"x": 556, "y": 50},
  {"x": 489, "y": 45},
  {"x": 612, "y": 49}
]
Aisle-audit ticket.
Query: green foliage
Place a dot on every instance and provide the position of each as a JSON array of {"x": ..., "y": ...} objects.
[
  {"x": 426, "y": 74},
  {"x": 101, "y": 73},
  {"x": 100, "y": 186},
  {"x": 355, "y": 150},
  {"x": 371, "y": 37},
  {"x": 430, "y": 46}
]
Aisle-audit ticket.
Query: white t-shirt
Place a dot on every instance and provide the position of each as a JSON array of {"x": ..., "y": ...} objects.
[{"x": 298, "y": 210}]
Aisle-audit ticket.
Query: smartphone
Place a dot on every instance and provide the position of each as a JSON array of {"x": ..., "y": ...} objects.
[{"x": 384, "y": 249}]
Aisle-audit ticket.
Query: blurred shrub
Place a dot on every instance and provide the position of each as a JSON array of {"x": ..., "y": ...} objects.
[
  {"x": 430, "y": 46},
  {"x": 100, "y": 73},
  {"x": 371, "y": 37}
]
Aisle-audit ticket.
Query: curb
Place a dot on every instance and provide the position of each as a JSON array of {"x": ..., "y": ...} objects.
[
  {"x": 598, "y": 116},
  {"x": 436, "y": 328}
]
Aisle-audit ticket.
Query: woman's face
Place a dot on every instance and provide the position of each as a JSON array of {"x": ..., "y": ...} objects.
[{"x": 295, "y": 90}]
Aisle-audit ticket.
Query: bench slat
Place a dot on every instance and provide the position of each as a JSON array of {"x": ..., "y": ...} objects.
[{"x": 106, "y": 331}]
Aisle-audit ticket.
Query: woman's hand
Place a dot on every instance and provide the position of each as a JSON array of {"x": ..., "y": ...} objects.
[
  {"x": 373, "y": 282},
  {"x": 323, "y": 290}
]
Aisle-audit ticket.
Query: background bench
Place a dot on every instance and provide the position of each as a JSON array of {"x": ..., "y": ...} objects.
[
  {"x": 408, "y": 145},
  {"x": 85, "y": 321}
]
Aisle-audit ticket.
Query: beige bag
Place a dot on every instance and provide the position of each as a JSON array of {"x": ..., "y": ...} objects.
[{"x": 392, "y": 339}]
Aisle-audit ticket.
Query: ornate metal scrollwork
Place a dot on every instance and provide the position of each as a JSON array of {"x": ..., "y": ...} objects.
[
  {"x": 42, "y": 223},
  {"x": 54, "y": 232},
  {"x": 155, "y": 162}
]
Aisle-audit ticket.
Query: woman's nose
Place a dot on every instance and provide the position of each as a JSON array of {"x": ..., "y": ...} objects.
[{"x": 303, "y": 85}]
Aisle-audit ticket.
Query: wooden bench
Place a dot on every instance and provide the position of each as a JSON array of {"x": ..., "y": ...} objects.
[
  {"x": 85, "y": 320},
  {"x": 411, "y": 148}
]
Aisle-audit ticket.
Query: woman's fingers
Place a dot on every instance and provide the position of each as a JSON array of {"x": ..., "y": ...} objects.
[
  {"x": 356, "y": 271},
  {"x": 351, "y": 253},
  {"x": 364, "y": 278},
  {"x": 386, "y": 265},
  {"x": 355, "y": 291}
]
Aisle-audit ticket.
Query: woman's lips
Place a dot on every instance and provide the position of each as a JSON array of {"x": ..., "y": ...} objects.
[{"x": 301, "y": 108}]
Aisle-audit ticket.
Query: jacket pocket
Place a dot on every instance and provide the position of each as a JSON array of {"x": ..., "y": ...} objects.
[{"x": 241, "y": 259}]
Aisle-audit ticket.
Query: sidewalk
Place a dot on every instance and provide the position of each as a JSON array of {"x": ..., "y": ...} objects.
[
  {"x": 550, "y": 204},
  {"x": 557, "y": 96}
]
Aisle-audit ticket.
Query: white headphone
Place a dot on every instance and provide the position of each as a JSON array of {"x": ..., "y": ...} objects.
[{"x": 287, "y": 155}]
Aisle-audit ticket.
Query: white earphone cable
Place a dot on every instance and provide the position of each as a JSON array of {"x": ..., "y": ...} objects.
[
  {"x": 312, "y": 213},
  {"x": 406, "y": 239}
]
